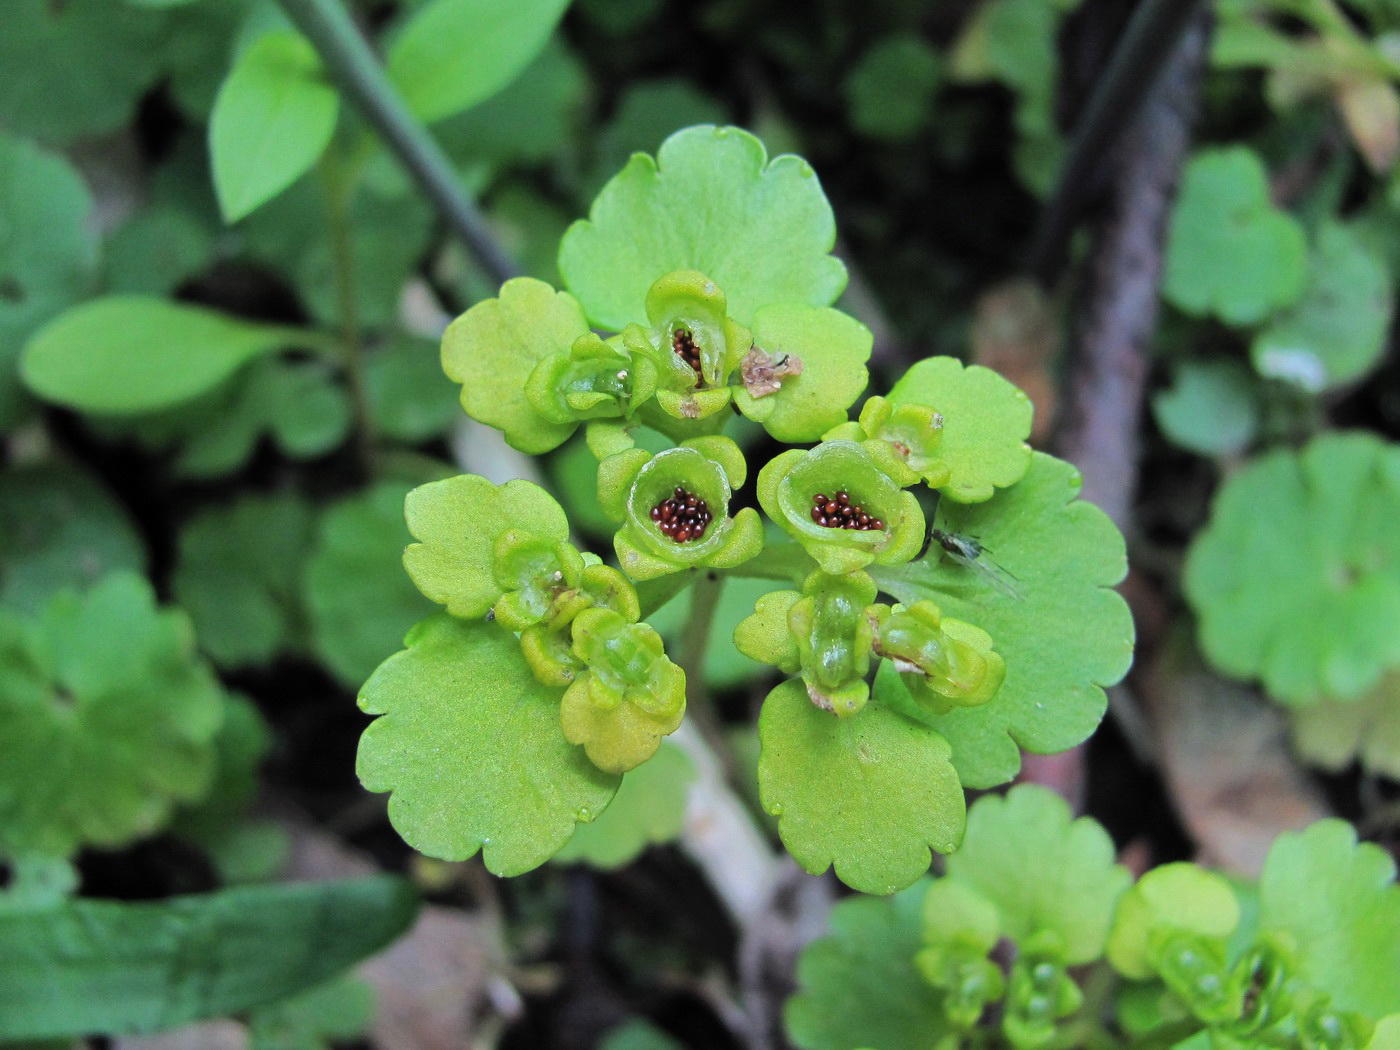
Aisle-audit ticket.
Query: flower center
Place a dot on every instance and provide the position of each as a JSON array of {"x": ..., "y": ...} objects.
[
  {"x": 683, "y": 343},
  {"x": 839, "y": 512},
  {"x": 683, "y": 516}
]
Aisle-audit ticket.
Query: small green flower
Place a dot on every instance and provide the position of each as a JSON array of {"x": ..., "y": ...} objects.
[
  {"x": 1039, "y": 993},
  {"x": 547, "y": 642},
  {"x": 841, "y": 506},
  {"x": 945, "y": 663},
  {"x": 630, "y": 696},
  {"x": 904, "y": 439},
  {"x": 823, "y": 633},
  {"x": 533, "y": 574},
  {"x": 675, "y": 508},
  {"x": 593, "y": 379},
  {"x": 695, "y": 345}
]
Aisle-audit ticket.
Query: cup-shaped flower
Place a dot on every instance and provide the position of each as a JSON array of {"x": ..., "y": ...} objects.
[
  {"x": 945, "y": 663},
  {"x": 629, "y": 697},
  {"x": 593, "y": 379},
  {"x": 823, "y": 632},
  {"x": 837, "y": 502},
  {"x": 533, "y": 573},
  {"x": 904, "y": 439},
  {"x": 675, "y": 508},
  {"x": 547, "y": 643}
]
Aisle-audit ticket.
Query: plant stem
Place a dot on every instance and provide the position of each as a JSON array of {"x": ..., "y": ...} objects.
[
  {"x": 695, "y": 640},
  {"x": 354, "y": 66}
]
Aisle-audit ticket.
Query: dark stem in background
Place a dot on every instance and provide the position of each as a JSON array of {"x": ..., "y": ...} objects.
[
  {"x": 1112, "y": 111},
  {"x": 361, "y": 76}
]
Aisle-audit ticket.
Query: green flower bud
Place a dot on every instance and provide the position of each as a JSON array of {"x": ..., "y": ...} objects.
[
  {"x": 1323, "y": 1027},
  {"x": 904, "y": 439},
  {"x": 630, "y": 696},
  {"x": 593, "y": 379},
  {"x": 1193, "y": 967},
  {"x": 837, "y": 502},
  {"x": 1039, "y": 993},
  {"x": 547, "y": 643},
  {"x": 960, "y": 928},
  {"x": 675, "y": 508},
  {"x": 1260, "y": 982},
  {"x": 945, "y": 663}
]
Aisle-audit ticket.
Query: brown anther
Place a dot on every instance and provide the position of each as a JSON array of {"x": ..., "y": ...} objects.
[{"x": 682, "y": 516}]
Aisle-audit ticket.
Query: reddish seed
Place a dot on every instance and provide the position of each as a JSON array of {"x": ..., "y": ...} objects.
[
  {"x": 841, "y": 513},
  {"x": 683, "y": 343},
  {"x": 682, "y": 516}
]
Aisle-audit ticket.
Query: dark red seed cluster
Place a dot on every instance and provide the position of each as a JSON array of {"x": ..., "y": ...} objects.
[
  {"x": 840, "y": 513},
  {"x": 683, "y": 343},
  {"x": 682, "y": 516}
]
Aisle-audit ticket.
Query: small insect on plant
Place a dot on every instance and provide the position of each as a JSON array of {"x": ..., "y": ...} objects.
[{"x": 968, "y": 552}]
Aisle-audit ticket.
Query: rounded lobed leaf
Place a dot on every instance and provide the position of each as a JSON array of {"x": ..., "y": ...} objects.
[
  {"x": 457, "y": 521},
  {"x": 870, "y": 794},
  {"x": 711, "y": 201},
  {"x": 1062, "y": 632},
  {"x": 1212, "y": 407},
  {"x": 986, "y": 421},
  {"x": 110, "y": 719},
  {"x": 1044, "y": 871},
  {"x": 1296, "y": 579},
  {"x": 1172, "y": 899},
  {"x": 492, "y": 349},
  {"x": 1334, "y": 734},
  {"x": 470, "y": 746}
]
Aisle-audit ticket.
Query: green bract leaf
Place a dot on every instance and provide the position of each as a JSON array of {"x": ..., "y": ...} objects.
[
  {"x": 471, "y": 748},
  {"x": 238, "y": 578},
  {"x": 1338, "y": 905},
  {"x": 153, "y": 965},
  {"x": 806, "y": 369},
  {"x": 47, "y": 252},
  {"x": 986, "y": 421},
  {"x": 1230, "y": 252},
  {"x": 870, "y": 793},
  {"x": 455, "y": 53},
  {"x": 110, "y": 719},
  {"x": 1212, "y": 408},
  {"x": 889, "y": 92},
  {"x": 1063, "y": 634},
  {"x": 859, "y": 986},
  {"x": 59, "y": 528},
  {"x": 125, "y": 355},
  {"x": 1334, "y": 734},
  {"x": 457, "y": 522},
  {"x": 1337, "y": 331},
  {"x": 713, "y": 202},
  {"x": 492, "y": 349},
  {"x": 649, "y": 808},
  {"x": 359, "y": 601},
  {"x": 1045, "y": 872},
  {"x": 273, "y": 118},
  {"x": 1304, "y": 538}
]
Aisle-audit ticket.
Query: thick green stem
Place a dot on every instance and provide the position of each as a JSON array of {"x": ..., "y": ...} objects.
[{"x": 354, "y": 66}]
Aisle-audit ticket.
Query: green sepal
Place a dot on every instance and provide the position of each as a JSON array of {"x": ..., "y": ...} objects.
[
  {"x": 904, "y": 439},
  {"x": 945, "y": 663},
  {"x": 764, "y": 635},
  {"x": 593, "y": 379},
  {"x": 457, "y": 521},
  {"x": 986, "y": 421},
  {"x": 687, "y": 299},
  {"x": 493, "y": 349},
  {"x": 605, "y": 438},
  {"x": 631, "y": 696},
  {"x": 787, "y": 485},
  {"x": 833, "y": 637},
  {"x": 1178, "y": 898},
  {"x": 961, "y": 927},
  {"x": 806, "y": 368},
  {"x": 547, "y": 643}
]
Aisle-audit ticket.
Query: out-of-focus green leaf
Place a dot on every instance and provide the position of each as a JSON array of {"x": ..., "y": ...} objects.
[
  {"x": 338, "y": 1011},
  {"x": 455, "y": 53},
  {"x": 1333, "y": 734},
  {"x": 240, "y": 747},
  {"x": 889, "y": 91},
  {"x": 155, "y": 251},
  {"x": 409, "y": 397},
  {"x": 638, "y": 1035},
  {"x": 116, "y": 967},
  {"x": 1212, "y": 407},
  {"x": 647, "y": 112}
]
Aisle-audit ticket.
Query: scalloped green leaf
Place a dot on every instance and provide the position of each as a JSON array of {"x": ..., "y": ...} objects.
[
  {"x": 358, "y": 599},
  {"x": 649, "y": 808},
  {"x": 872, "y": 794},
  {"x": 647, "y": 112},
  {"x": 1230, "y": 252},
  {"x": 109, "y": 718},
  {"x": 858, "y": 986},
  {"x": 1333, "y": 734},
  {"x": 237, "y": 577},
  {"x": 454, "y": 53},
  {"x": 986, "y": 421},
  {"x": 48, "y": 254},
  {"x": 1304, "y": 539},
  {"x": 130, "y": 354},
  {"x": 456, "y": 522},
  {"x": 59, "y": 528},
  {"x": 1337, "y": 332},
  {"x": 711, "y": 201},
  {"x": 1064, "y": 637},
  {"x": 272, "y": 120},
  {"x": 470, "y": 745},
  {"x": 1042, "y": 869},
  {"x": 492, "y": 349},
  {"x": 1338, "y": 904}
]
